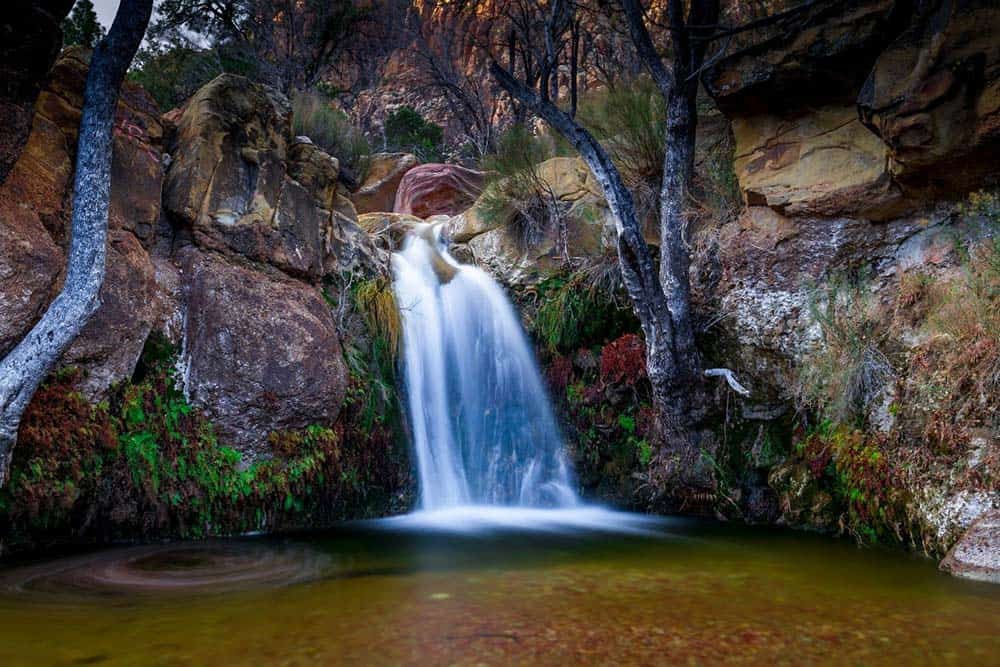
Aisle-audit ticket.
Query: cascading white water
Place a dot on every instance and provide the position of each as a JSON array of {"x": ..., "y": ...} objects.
[{"x": 483, "y": 428}]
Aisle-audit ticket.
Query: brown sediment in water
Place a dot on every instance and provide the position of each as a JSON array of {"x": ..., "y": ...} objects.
[
  {"x": 207, "y": 567},
  {"x": 697, "y": 596}
]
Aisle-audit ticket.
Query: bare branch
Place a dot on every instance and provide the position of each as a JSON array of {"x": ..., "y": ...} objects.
[{"x": 730, "y": 379}]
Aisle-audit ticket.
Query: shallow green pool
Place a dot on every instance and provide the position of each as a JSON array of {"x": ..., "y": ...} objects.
[{"x": 674, "y": 592}]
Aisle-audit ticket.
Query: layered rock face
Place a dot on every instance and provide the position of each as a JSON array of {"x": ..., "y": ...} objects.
[
  {"x": 227, "y": 268},
  {"x": 860, "y": 133},
  {"x": 437, "y": 189},
  {"x": 865, "y": 109}
]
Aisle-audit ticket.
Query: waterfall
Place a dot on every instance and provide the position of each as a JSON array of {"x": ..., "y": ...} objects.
[{"x": 483, "y": 427}]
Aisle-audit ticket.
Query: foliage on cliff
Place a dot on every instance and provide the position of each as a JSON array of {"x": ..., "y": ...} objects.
[
  {"x": 146, "y": 464},
  {"x": 331, "y": 130},
  {"x": 894, "y": 420}
]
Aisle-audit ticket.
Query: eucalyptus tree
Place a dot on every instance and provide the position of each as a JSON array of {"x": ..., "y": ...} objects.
[
  {"x": 288, "y": 44},
  {"x": 81, "y": 26},
  {"x": 27, "y": 365},
  {"x": 661, "y": 297}
]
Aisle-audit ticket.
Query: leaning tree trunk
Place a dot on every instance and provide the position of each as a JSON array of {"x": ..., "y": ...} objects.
[
  {"x": 24, "y": 368},
  {"x": 651, "y": 304}
]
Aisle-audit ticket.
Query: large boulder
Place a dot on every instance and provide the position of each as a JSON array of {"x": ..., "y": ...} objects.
[
  {"x": 977, "y": 553},
  {"x": 437, "y": 189},
  {"x": 260, "y": 352},
  {"x": 231, "y": 180},
  {"x": 378, "y": 190}
]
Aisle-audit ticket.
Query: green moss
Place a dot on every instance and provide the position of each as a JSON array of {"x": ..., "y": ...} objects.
[{"x": 572, "y": 314}]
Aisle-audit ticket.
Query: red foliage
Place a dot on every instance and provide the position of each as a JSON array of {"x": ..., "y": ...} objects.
[
  {"x": 559, "y": 373},
  {"x": 623, "y": 361},
  {"x": 646, "y": 422}
]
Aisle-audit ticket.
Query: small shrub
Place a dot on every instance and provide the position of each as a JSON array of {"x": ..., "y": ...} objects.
[
  {"x": 984, "y": 204},
  {"x": 515, "y": 195},
  {"x": 623, "y": 361},
  {"x": 865, "y": 482},
  {"x": 630, "y": 120},
  {"x": 331, "y": 130},
  {"x": 716, "y": 184},
  {"x": 960, "y": 363},
  {"x": 573, "y": 314},
  {"x": 848, "y": 371},
  {"x": 376, "y": 302},
  {"x": 559, "y": 373},
  {"x": 406, "y": 130},
  {"x": 173, "y": 76}
]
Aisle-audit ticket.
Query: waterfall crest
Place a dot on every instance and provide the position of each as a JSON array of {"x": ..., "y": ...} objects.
[{"x": 483, "y": 427}]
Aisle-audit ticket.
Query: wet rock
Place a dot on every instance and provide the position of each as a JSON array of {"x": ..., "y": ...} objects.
[
  {"x": 261, "y": 351},
  {"x": 378, "y": 191},
  {"x": 350, "y": 249},
  {"x": 389, "y": 228},
  {"x": 977, "y": 554},
  {"x": 437, "y": 189}
]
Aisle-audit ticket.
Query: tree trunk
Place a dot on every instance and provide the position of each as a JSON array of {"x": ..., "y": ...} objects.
[
  {"x": 27, "y": 365},
  {"x": 679, "y": 88},
  {"x": 574, "y": 69},
  {"x": 670, "y": 395},
  {"x": 675, "y": 256}
]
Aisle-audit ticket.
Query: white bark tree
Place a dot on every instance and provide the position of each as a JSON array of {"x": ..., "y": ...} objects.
[
  {"x": 28, "y": 364},
  {"x": 661, "y": 299}
]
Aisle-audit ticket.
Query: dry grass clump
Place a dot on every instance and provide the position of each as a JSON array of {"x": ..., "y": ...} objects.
[
  {"x": 516, "y": 196},
  {"x": 960, "y": 363},
  {"x": 376, "y": 302},
  {"x": 848, "y": 371},
  {"x": 331, "y": 130}
]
